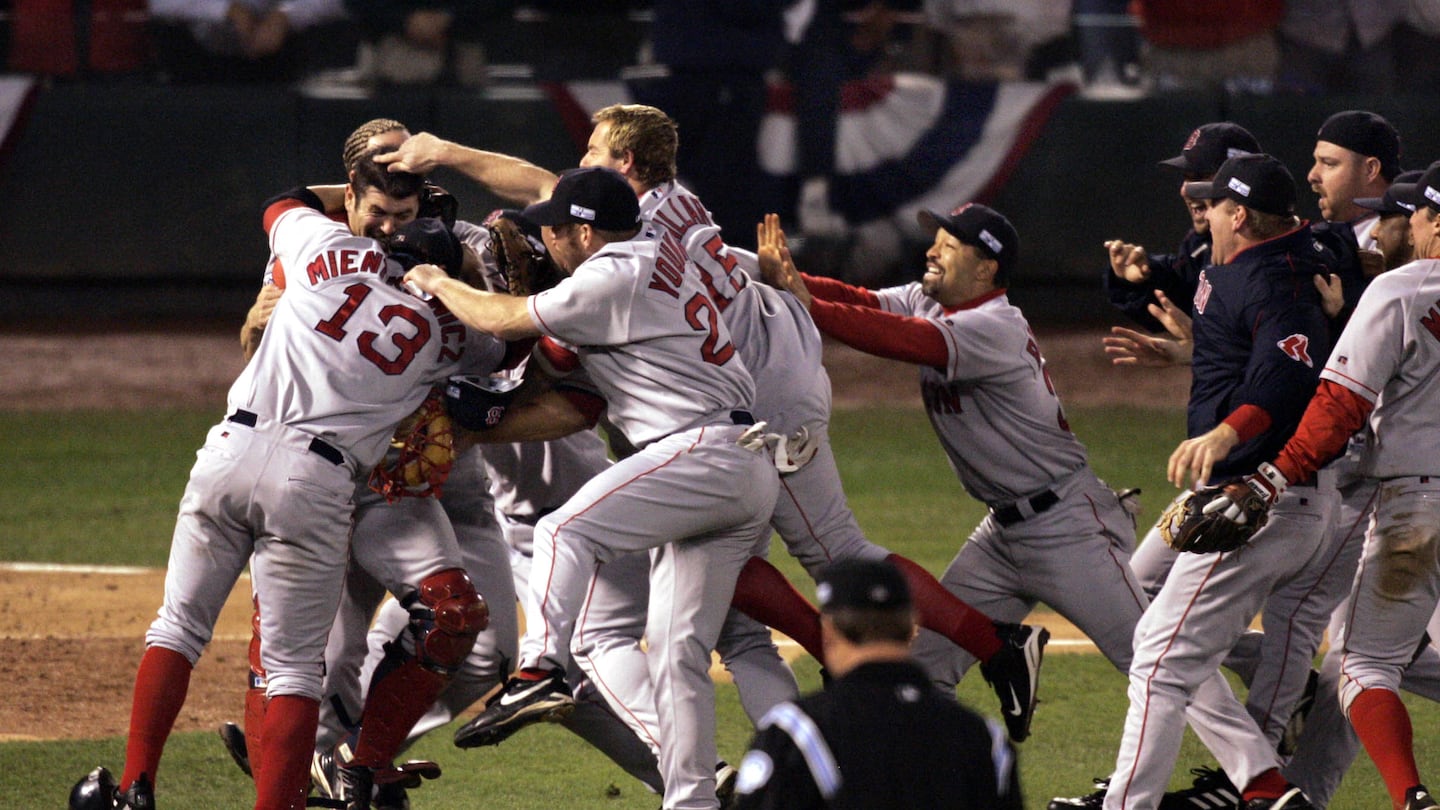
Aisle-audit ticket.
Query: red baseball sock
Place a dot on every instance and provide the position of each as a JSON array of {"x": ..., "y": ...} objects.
[
  {"x": 255, "y": 702},
  {"x": 1383, "y": 725},
  {"x": 255, "y": 695},
  {"x": 287, "y": 743},
  {"x": 765, "y": 595},
  {"x": 161, "y": 683},
  {"x": 392, "y": 707},
  {"x": 946, "y": 614},
  {"x": 1268, "y": 785}
]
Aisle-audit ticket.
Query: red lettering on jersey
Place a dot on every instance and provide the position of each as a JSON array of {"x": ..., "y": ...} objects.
[
  {"x": 1033, "y": 349},
  {"x": 348, "y": 263},
  {"x": 1202, "y": 293},
  {"x": 317, "y": 271},
  {"x": 1297, "y": 347},
  {"x": 941, "y": 399},
  {"x": 1431, "y": 321},
  {"x": 372, "y": 262},
  {"x": 680, "y": 215},
  {"x": 669, "y": 267},
  {"x": 717, "y": 250}
]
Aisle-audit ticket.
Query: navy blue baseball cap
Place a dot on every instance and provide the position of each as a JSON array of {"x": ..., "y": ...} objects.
[
  {"x": 595, "y": 196},
  {"x": 1260, "y": 182},
  {"x": 1387, "y": 204},
  {"x": 426, "y": 240},
  {"x": 1211, "y": 145},
  {"x": 980, "y": 226},
  {"x": 1364, "y": 133},
  {"x": 863, "y": 585},
  {"x": 1425, "y": 191}
]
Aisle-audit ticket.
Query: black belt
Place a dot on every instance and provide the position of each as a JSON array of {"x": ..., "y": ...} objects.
[
  {"x": 319, "y": 447},
  {"x": 742, "y": 418},
  {"x": 1010, "y": 515}
]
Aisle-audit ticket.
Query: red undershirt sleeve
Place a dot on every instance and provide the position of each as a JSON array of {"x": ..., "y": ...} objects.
[
  {"x": 883, "y": 334},
  {"x": 829, "y": 289},
  {"x": 1333, "y": 416},
  {"x": 1249, "y": 421}
]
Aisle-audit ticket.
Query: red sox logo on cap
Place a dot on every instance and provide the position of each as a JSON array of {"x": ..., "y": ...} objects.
[
  {"x": 1192, "y": 140},
  {"x": 985, "y": 236}
]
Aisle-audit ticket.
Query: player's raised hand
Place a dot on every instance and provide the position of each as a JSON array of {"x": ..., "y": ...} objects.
[
  {"x": 1128, "y": 261},
  {"x": 776, "y": 264},
  {"x": 1127, "y": 347},
  {"x": 419, "y": 154},
  {"x": 1195, "y": 458},
  {"x": 1175, "y": 320}
]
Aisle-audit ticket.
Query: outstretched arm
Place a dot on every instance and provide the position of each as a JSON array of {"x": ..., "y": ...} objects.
[
  {"x": 508, "y": 177},
  {"x": 504, "y": 316}
]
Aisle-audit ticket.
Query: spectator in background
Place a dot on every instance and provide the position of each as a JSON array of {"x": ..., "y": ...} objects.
[
  {"x": 1416, "y": 41},
  {"x": 1109, "y": 41},
  {"x": 1339, "y": 46},
  {"x": 1211, "y": 45},
  {"x": 248, "y": 40},
  {"x": 717, "y": 53},
  {"x": 416, "y": 41}
]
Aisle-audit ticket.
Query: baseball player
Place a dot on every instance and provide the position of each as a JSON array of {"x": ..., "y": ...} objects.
[
  {"x": 345, "y": 357},
  {"x": 1273, "y": 664},
  {"x": 653, "y": 342},
  {"x": 1055, "y": 532},
  {"x": 1383, "y": 371},
  {"x": 1327, "y": 745},
  {"x": 468, "y": 508},
  {"x": 412, "y": 548},
  {"x": 780, "y": 345},
  {"x": 1259, "y": 333},
  {"x": 1134, "y": 276}
]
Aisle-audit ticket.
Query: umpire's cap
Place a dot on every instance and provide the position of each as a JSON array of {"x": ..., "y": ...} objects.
[
  {"x": 1387, "y": 204},
  {"x": 426, "y": 240},
  {"x": 1260, "y": 182},
  {"x": 863, "y": 585},
  {"x": 980, "y": 226},
  {"x": 599, "y": 197},
  {"x": 1425, "y": 191},
  {"x": 1211, "y": 145}
]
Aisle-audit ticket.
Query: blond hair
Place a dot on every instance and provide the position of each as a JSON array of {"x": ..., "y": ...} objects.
[{"x": 650, "y": 135}]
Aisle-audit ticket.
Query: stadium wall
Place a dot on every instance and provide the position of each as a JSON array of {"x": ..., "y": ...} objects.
[{"x": 127, "y": 202}]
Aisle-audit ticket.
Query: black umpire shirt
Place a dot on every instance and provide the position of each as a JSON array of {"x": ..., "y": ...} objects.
[{"x": 881, "y": 737}]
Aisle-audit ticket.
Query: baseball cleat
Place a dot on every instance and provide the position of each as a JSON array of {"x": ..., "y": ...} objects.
[
  {"x": 233, "y": 737},
  {"x": 1211, "y": 790},
  {"x": 1296, "y": 724},
  {"x": 1014, "y": 674},
  {"x": 94, "y": 791},
  {"x": 1419, "y": 798},
  {"x": 525, "y": 699},
  {"x": 725, "y": 777},
  {"x": 1292, "y": 799},
  {"x": 1091, "y": 801}
]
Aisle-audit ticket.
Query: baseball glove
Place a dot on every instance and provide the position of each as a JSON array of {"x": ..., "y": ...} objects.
[
  {"x": 425, "y": 445},
  {"x": 520, "y": 254},
  {"x": 1214, "y": 519},
  {"x": 479, "y": 402}
]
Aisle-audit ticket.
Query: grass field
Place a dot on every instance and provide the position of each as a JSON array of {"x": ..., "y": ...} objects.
[{"x": 104, "y": 491}]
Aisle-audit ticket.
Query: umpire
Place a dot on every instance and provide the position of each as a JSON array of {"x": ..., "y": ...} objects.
[{"x": 881, "y": 735}]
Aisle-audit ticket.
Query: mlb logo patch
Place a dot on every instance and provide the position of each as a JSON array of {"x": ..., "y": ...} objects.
[{"x": 1297, "y": 347}]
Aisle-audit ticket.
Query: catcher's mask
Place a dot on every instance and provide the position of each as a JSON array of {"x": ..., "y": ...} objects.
[{"x": 427, "y": 241}]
